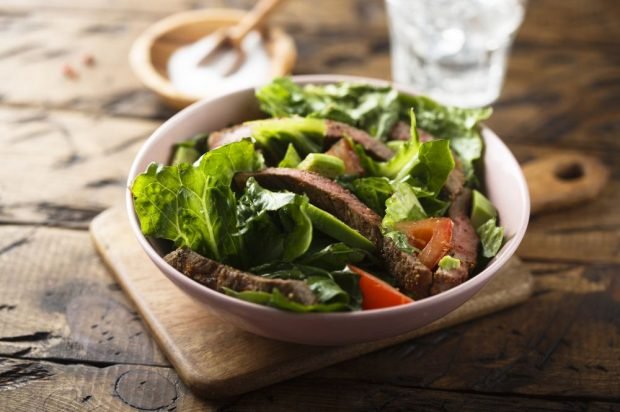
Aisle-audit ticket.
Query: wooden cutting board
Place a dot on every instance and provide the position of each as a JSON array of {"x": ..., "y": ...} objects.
[{"x": 216, "y": 359}]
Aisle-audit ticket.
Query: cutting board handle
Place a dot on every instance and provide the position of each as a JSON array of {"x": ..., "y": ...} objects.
[{"x": 563, "y": 180}]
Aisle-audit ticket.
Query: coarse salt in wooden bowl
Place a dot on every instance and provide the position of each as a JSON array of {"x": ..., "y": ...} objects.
[{"x": 151, "y": 51}]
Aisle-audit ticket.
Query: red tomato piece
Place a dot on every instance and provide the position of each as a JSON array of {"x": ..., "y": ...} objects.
[
  {"x": 376, "y": 293},
  {"x": 433, "y": 236},
  {"x": 343, "y": 150}
]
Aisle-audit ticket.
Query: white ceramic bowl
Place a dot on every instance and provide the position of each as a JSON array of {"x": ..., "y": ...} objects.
[{"x": 506, "y": 189}]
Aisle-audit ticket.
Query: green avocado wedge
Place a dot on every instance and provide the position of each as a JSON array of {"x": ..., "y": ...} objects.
[
  {"x": 334, "y": 227},
  {"x": 482, "y": 210}
]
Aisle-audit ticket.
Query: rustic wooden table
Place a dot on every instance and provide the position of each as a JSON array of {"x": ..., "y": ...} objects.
[{"x": 70, "y": 340}]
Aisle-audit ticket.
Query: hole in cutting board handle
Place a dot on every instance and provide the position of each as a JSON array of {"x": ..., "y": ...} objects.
[
  {"x": 564, "y": 180},
  {"x": 569, "y": 171}
]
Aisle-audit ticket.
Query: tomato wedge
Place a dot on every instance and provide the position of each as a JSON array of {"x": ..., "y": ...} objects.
[
  {"x": 343, "y": 150},
  {"x": 433, "y": 236},
  {"x": 376, "y": 293}
]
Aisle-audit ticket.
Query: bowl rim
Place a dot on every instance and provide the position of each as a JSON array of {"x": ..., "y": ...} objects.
[{"x": 476, "y": 282}]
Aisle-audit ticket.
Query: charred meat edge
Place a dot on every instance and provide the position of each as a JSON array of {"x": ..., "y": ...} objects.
[
  {"x": 217, "y": 276},
  {"x": 464, "y": 245},
  {"x": 334, "y": 131},
  {"x": 411, "y": 275}
]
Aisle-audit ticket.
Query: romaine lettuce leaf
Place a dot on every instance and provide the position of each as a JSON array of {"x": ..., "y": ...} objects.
[
  {"x": 337, "y": 290},
  {"x": 402, "y": 205},
  {"x": 193, "y": 205},
  {"x": 430, "y": 167},
  {"x": 371, "y": 108},
  {"x": 372, "y": 191},
  {"x": 334, "y": 256},
  {"x": 459, "y": 125},
  {"x": 273, "y": 136},
  {"x": 272, "y": 225},
  {"x": 277, "y": 300},
  {"x": 491, "y": 237},
  {"x": 291, "y": 158}
]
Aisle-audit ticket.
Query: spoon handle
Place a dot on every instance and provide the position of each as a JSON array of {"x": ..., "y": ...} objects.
[{"x": 253, "y": 19}]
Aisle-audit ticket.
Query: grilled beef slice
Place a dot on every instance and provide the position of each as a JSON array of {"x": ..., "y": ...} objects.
[
  {"x": 375, "y": 148},
  {"x": 216, "y": 276},
  {"x": 334, "y": 131},
  {"x": 464, "y": 245},
  {"x": 402, "y": 131},
  {"x": 409, "y": 272},
  {"x": 456, "y": 180},
  {"x": 229, "y": 135}
]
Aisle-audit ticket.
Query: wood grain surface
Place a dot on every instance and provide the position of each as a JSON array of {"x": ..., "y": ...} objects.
[
  {"x": 216, "y": 359},
  {"x": 70, "y": 339}
]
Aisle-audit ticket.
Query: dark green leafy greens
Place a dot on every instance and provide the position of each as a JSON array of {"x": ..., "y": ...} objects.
[
  {"x": 268, "y": 233},
  {"x": 335, "y": 291},
  {"x": 371, "y": 108},
  {"x": 373, "y": 191},
  {"x": 291, "y": 158},
  {"x": 402, "y": 205},
  {"x": 459, "y": 125},
  {"x": 491, "y": 238},
  {"x": 273, "y": 225},
  {"x": 193, "y": 204},
  {"x": 274, "y": 136}
]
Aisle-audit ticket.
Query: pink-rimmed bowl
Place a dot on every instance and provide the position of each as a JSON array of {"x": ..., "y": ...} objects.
[{"x": 506, "y": 187}]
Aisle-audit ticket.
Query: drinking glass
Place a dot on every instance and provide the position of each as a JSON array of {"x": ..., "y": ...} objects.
[{"x": 453, "y": 50}]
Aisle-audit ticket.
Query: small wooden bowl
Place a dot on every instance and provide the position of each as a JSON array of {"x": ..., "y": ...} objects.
[{"x": 151, "y": 51}]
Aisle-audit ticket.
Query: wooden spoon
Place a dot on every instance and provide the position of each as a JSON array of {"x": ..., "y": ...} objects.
[{"x": 231, "y": 37}]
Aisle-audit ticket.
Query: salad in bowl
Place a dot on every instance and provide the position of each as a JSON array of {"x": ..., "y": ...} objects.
[{"x": 328, "y": 197}]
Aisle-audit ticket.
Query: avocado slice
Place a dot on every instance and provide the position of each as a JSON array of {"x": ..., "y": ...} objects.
[
  {"x": 336, "y": 228},
  {"x": 323, "y": 164},
  {"x": 482, "y": 210}
]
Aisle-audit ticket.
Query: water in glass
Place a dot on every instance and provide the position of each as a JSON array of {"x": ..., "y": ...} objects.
[{"x": 453, "y": 50}]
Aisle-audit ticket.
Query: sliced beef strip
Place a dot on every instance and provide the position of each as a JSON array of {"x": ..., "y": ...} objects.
[
  {"x": 411, "y": 275},
  {"x": 375, "y": 148},
  {"x": 217, "y": 276},
  {"x": 402, "y": 130},
  {"x": 334, "y": 131},
  {"x": 464, "y": 245},
  {"x": 456, "y": 180},
  {"x": 229, "y": 135}
]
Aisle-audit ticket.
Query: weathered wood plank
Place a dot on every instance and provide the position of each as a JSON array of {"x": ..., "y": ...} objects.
[
  {"x": 58, "y": 301},
  {"x": 64, "y": 168},
  {"x": 28, "y": 386},
  {"x": 45, "y": 386},
  {"x": 565, "y": 341}
]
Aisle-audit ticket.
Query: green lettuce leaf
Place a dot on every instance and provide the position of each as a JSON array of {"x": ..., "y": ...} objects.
[
  {"x": 291, "y": 158},
  {"x": 371, "y": 108},
  {"x": 273, "y": 225},
  {"x": 274, "y": 136},
  {"x": 277, "y": 300},
  {"x": 402, "y": 205},
  {"x": 372, "y": 191},
  {"x": 430, "y": 167},
  {"x": 491, "y": 238},
  {"x": 193, "y": 204},
  {"x": 337, "y": 290},
  {"x": 333, "y": 257},
  {"x": 459, "y": 125}
]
